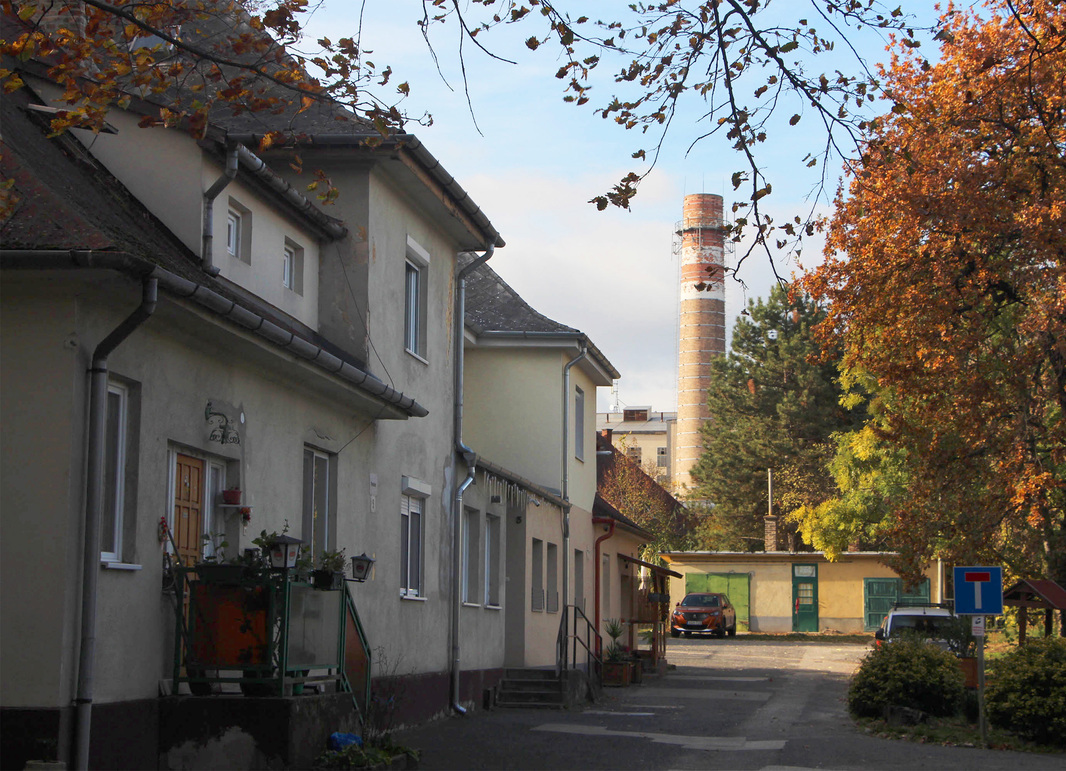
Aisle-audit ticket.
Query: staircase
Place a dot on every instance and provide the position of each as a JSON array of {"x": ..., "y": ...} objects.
[{"x": 532, "y": 689}]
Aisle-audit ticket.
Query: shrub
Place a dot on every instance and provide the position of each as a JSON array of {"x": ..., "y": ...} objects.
[
  {"x": 1026, "y": 691},
  {"x": 907, "y": 673}
]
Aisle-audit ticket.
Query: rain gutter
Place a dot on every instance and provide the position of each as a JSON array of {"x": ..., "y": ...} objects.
[
  {"x": 242, "y": 316},
  {"x": 208, "y": 237},
  {"x": 565, "y": 489},
  {"x": 96, "y": 451},
  {"x": 609, "y": 521},
  {"x": 470, "y": 458}
]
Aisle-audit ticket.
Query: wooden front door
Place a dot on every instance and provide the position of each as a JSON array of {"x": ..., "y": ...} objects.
[{"x": 188, "y": 509}]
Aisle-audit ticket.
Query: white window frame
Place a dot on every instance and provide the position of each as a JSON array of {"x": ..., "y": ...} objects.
[
  {"x": 215, "y": 483},
  {"x": 536, "y": 583},
  {"x": 412, "y": 586},
  {"x": 415, "y": 295},
  {"x": 233, "y": 233},
  {"x": 471, "y": 556},
  {"x": 579, "y": 423},
  {"x": 115, "y": 471},
  {"x": 309, "y": 490},
  {"x": 493, "y": 525}
]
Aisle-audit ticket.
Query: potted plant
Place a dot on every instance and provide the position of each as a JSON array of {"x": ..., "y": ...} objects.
[
  {"x": 330, "y": 571},
  {"x": 213, "y": 568},
  {"x": 232, "y": 496},
  {"x": 617, "y": 665}
]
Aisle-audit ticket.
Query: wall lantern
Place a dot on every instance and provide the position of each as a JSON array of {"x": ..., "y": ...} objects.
[
  {"x": 361, "y": 567},
  {"x": 284, "y": 551}
]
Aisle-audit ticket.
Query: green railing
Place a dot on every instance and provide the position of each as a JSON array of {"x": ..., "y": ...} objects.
[{"x": 269, "y": 631}]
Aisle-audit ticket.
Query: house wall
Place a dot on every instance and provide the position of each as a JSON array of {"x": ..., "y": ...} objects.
[
  {"x": 519, "y": 388},
  {"x": 840, "y": 585}
]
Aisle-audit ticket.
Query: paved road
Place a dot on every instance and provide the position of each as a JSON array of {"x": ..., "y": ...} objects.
[{"x": 729, "y": 704}]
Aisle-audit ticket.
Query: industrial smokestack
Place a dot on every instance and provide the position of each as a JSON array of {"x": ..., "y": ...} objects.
[{"x": 701, "y": 235}]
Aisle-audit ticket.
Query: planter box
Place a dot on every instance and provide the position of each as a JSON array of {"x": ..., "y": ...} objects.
[
  {"x": 219, "y": 573},
  {"x": 327, "y": 579},
  {"x": 617, "y": 673}
]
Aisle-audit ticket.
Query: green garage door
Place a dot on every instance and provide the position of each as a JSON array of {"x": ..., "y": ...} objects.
[
  {"x": 734, "y": 585},
  {"x": 880, "y": 594}
]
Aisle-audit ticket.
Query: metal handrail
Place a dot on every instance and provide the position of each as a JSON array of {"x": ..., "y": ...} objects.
[{"x": 587, "y": 638}]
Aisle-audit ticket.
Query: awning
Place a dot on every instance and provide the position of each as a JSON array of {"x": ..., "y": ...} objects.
[{"x": 651, "y": 567}]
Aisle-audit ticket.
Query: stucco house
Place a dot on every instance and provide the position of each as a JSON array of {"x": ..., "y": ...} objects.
[
  {"x": 538, "y": 378},
  {"x": 248, "y": 341},
  {"x": 780, "y": 591}
]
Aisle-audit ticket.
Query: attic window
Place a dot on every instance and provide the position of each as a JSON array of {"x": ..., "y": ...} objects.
[{"x": 107, "y": 128}]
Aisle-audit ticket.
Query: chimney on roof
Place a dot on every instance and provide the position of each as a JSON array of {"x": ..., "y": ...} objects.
[{"x": 771, "y": 537}]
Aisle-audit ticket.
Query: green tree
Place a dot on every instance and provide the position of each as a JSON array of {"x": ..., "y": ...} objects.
[{"x": 773, "y": 406}]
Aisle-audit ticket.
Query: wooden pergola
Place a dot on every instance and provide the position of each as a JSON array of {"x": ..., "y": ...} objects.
[
  {"x": 651, "y": 606},
  {"x": 1037, "y": 593}
]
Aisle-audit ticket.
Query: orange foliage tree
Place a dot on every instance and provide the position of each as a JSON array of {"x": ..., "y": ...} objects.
[{"x": 946, "y": 287}]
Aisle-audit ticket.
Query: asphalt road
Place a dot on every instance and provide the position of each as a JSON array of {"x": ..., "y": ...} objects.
[{"x": 729, "y": 704}]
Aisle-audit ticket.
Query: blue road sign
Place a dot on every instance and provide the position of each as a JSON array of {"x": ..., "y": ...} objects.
[{"x": 979, "y": 591}]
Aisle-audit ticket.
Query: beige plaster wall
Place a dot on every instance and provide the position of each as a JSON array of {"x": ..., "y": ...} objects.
[{"x": 840, "y": 586}]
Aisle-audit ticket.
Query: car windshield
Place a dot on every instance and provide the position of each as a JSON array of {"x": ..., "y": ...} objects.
[
  {"x": 701, "y": 601},
  {"x": 933, "y": 626}
]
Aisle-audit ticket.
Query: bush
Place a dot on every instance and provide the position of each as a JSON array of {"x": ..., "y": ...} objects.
[
  {"x": 907, "y": 673},
  {"x": 1026, "y": 691}
]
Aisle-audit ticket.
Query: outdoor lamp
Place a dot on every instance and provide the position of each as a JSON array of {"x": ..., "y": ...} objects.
[
  {"x": 361, "y": 567},
  {"x": 285, "y": 551}
]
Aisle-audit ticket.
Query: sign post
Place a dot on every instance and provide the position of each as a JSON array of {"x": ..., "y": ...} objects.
[{"x": 979, "y": 593}]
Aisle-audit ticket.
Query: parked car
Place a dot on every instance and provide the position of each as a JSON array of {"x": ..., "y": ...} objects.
[
  {"x": 704, "y": 612},
  {"x": 931, "y": 623}
]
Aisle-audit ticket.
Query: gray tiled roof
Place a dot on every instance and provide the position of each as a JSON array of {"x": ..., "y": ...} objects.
[{"x": 493, "y": 306}]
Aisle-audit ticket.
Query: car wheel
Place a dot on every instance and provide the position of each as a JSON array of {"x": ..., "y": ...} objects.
[
  {"x": 674, "y": 633},
  {"x": 688, "y": 634},
  {"x": 733, "y": 630},
  {"x": 719, "y": 632}
]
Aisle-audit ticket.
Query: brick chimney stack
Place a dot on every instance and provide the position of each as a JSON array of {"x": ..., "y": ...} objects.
[
  {"x": 702, "y": 322},
  {"x": 771, "y": 538}
]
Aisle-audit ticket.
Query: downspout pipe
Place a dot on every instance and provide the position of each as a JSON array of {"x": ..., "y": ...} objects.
[
  {"x": 207, "y": 247},
  {"x": 565, "y": 488},
  {"x": 610, "y": 531},
  {"x": 470, "y": 459},
  {"x": 96, "y": 451}
]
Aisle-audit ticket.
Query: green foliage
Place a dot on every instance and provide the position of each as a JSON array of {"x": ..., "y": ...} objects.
[
  {"x": 615, "y": 650},
  {"x": 773, "y": 405},
  {"x": 907, "y": 673},
  {"x": 354, "y": 756},
  {"x": 333, "y": 561},
  {"x": 1026, "y": 691}
]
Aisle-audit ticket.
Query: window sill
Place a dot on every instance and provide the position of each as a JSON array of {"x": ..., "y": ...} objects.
[
  {"x": 417, "y": 356},
  {"x": 494, "y": 607},
  {"x": 412, "y": 598},
  {"x": 106, "y": 565},
  {"x": 471, "y": 604}
]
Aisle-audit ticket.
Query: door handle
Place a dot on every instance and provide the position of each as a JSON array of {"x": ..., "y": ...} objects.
[{"x": 797, "y": 610}]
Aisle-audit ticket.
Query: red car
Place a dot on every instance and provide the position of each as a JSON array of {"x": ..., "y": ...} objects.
[{"x": 704, "y": 612}]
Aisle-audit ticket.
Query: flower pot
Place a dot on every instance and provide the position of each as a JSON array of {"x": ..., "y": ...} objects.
[
  {"x": 327, "y": 579},
  {"x": 617, "y": 673},
  {"x": 231, "y": 497}
]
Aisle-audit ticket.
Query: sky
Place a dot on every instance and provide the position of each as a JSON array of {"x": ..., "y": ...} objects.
[{"x": 532, "y": 162}]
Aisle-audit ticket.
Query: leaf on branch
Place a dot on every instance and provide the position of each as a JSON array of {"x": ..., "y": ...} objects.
[{"x": 794, "y": 120}]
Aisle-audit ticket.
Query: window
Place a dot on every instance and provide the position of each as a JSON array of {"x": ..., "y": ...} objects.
[
  {"x": 114, "y": 473},
  {"x": 537, "y": 569},
  {"x": 471, "y": 555},
  {"x": 412, "y": 297},
  {"x": 233, "y": 233},
  {"x": 492, "y": 561},
  {"x": 579, "y": 424},
  {"x": 579, "y": 579},
  {"x": 318, "y": 502},
  {"x": 411, "y": 546},
  {"x": 292, "y": 267},
  {"x": 553, "y": 578},
  {"x": 661, "y": 457},
  {"x": 239, "y": 231},
  {"x": 416, "y": 270},
  {"x": 605, "y": 583},
  {"x": 216, "y": 483},
  {"x": 634, "y": 454}
]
